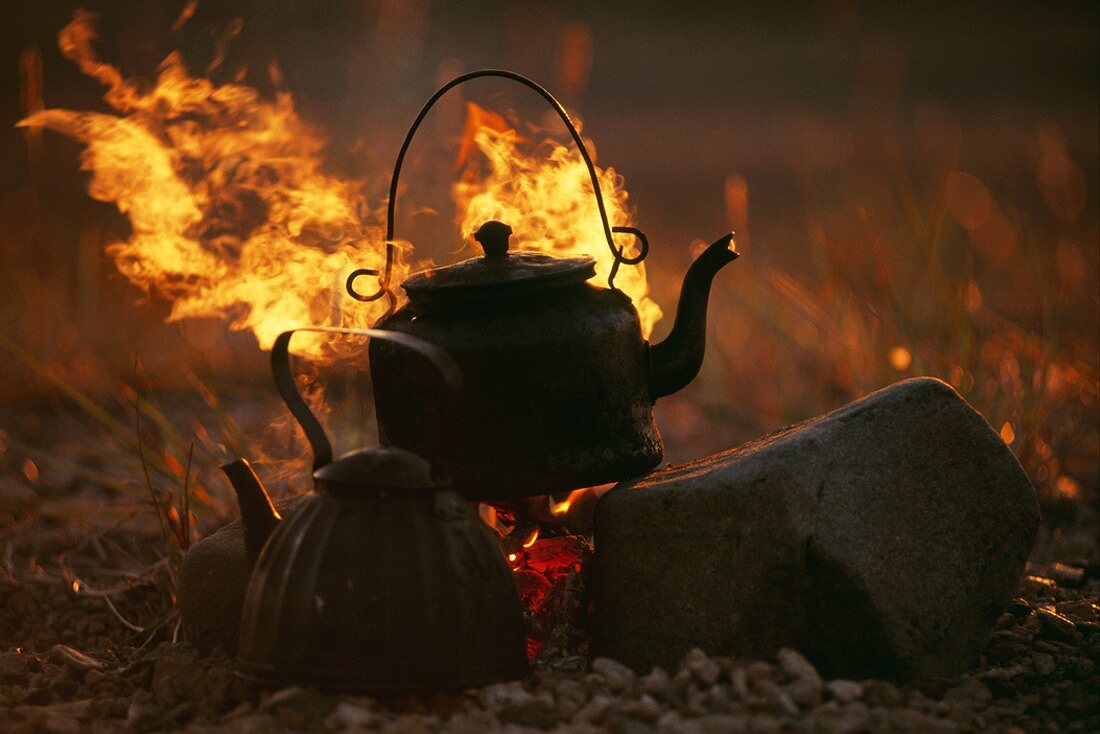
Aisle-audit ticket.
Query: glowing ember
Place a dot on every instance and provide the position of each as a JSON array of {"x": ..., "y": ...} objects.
[{"x": 233, "y": 217}]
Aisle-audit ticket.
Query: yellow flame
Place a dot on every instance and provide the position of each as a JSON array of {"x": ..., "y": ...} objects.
[
  {"x": 230, "y": 211},
  {"x": 561, "y": 508},
  {"x": 546, "y": 197},
  {"x": 531, "y": 538},
  {"x": 233, "y": 216}
]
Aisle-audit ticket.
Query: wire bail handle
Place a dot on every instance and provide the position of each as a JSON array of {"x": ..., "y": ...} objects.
[{"x": 619, "y": 253}]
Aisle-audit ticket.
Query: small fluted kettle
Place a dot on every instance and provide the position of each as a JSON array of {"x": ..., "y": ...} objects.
[
  {"x": 560, "y": 381},
  {"x": 382, "y": 580}
]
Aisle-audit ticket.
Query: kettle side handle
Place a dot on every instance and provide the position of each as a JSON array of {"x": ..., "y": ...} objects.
[{"x": 288, "y": 389}]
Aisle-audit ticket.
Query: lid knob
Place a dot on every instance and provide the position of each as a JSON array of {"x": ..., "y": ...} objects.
[{"x": 493, "y": 238}]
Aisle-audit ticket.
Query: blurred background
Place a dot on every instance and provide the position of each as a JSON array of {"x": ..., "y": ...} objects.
[{"x": 914, "y": 188}]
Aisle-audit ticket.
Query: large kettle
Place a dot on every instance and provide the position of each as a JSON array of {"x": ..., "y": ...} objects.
[{"x": 560, "y": 383}]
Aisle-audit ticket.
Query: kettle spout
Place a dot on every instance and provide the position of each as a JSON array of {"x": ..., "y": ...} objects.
[
  {"x": 258, "y": 515},
  {"x": 677, "y": 359}
]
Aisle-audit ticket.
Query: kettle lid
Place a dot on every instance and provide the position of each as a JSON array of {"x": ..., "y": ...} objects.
[
  {"x": 497, "y": 273},
  {"x": 382, "y": 467}
]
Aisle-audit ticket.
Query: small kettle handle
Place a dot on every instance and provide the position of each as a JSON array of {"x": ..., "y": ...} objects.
[
  {"x": 384, "y": 287},
  {"x": 315, "y": 433}
]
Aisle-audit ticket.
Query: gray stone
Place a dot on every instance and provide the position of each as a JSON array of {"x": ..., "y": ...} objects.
[
  {"x": 881, "y": 540},
  {"x": 213, "y": 579}
]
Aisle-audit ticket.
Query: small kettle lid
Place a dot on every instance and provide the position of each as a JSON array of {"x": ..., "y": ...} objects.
[
  {"x": 498, "y": 273},
  {"x": 381, "y": 467}
]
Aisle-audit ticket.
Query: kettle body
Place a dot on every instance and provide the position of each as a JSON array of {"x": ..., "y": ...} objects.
[
  {"x": 381, "y": 591},
  {"x": 556, "y": 392},
  {"x": 382, "y": 580}
]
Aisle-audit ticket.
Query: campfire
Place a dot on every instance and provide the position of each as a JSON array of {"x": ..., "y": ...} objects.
[
  {"x": 503, "y": 488},
  {"x": 233, "y": 217}
]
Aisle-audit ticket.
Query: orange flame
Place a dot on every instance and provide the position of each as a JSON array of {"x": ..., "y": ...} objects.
[
  {"x": 562, "y": 508},
  {"x": 233, "y": 216},
  {"x": 546, "y": 197}
]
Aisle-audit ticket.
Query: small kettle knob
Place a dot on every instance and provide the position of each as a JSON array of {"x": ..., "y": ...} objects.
[{"x": 493, "y": 238}]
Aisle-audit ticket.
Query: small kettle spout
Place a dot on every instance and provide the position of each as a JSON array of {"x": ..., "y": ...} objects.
[
  {"x": 258, "y": 515},
  {"x": 677, "y": 359}
]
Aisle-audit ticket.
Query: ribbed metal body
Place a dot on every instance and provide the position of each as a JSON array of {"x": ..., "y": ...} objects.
[{"x": 382, "y": 591}]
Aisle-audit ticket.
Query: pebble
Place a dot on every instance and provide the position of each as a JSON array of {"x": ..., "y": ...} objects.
[
  {"x": 843, "y": 690},
  {"x": 145, "y": 716},
  {"x": 295, "y": 706},
  {"x": 1044, "y": 663},
  {"x": 618, "y": 676},
  {"x": 971, "y": 695},
  {"x": 1020, "y": 608},
  {"x": 908, "y": 720},
  {"x": 705, "y": 669},
  {"x": 535, "y": 711},
  {"x": 759, "y": 669},
  {"x": 74, "y": 659},
  {"x": 881, "y": 693},
  {"x": 1056, "y": 626},
  {"x": 497, "y": 695},
  {"x": 1067, "y": 576},
  {"x": 570, "y": 694},
  {"x": 794, "y": 664},
  {"x": 739, "y": 683},
  {"x": 176, "y": 675},
  {"x": 805, "y": 692},
  {"x": 645, "y": 708},
  {"x": 93, "y": 678},
  {"x": 594, "y": 711},
  {"x": 655, "y": 683},
  {"x": 772, "y": 694},
  {"x": 13, "y": 668},
  {"x": 835, "y": 718},
  {"x": 350, "y": 715}
]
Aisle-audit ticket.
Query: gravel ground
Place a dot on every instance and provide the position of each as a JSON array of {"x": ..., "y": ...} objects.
[{"x": 88, "y": 644}]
